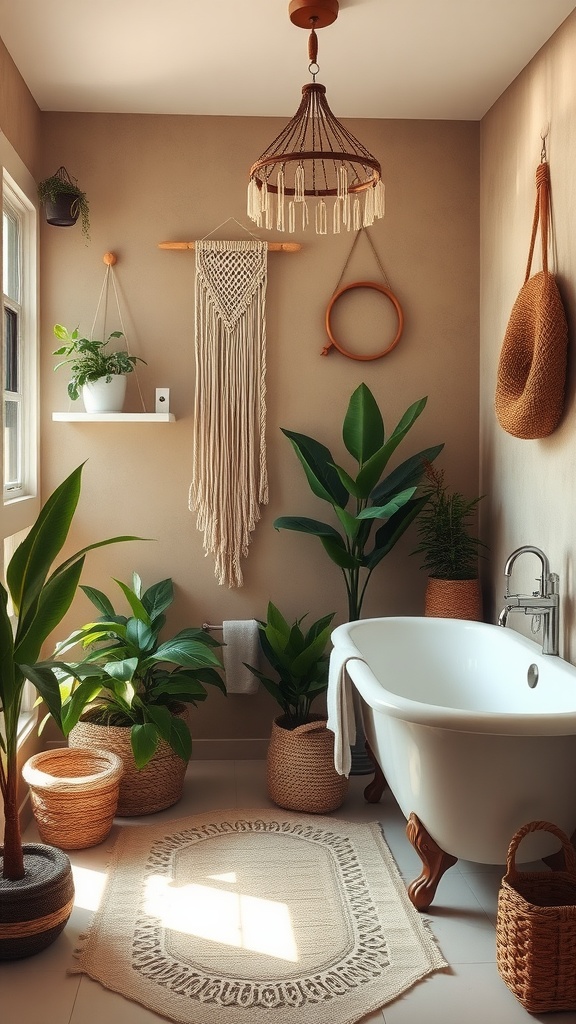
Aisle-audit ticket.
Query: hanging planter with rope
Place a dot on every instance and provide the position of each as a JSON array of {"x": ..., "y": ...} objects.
[{"x": 64, "y": 202}]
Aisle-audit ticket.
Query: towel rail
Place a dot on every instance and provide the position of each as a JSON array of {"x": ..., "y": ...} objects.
[{"x": 208, "y": 627}]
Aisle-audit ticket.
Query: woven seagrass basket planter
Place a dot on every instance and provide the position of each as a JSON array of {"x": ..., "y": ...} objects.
[
  {"x": 74, "y": 795},
  {"x": 35, "y": 909},
  {"x": 300, "y": 768},
  {"x": 142, "y": 790},
  {"x": 453, "y": 599}
]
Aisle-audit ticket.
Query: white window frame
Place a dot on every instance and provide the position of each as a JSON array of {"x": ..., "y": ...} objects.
[
  {"x": 19, "y": 207},
  {"x": 19, "y": 511}
]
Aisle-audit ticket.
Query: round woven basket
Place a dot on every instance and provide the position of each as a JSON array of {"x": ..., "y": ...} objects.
[
  {"x": 74, "y": 795},
  {"x": 300, "y": 768},
  {"x": 142, "y": 790},
  {"x": 453, "y": 599}
]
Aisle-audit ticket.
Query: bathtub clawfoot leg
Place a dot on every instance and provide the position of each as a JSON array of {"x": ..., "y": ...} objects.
[
  {"x": 434, "y": 863},
  {"x": 374, "y": 789}
]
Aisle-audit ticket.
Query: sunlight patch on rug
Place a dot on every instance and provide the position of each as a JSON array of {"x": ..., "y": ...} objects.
[{"x": 236, "y": 917}]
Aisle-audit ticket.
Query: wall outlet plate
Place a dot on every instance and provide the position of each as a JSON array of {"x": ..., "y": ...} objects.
[{"x": 162, "y": 400}]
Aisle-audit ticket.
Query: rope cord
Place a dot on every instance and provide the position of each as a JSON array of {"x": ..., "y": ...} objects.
[{"x": 110, "y": 276}]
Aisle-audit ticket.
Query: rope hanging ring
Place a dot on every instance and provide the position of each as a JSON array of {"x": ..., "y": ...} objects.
[{"x": 336, "y": 344}]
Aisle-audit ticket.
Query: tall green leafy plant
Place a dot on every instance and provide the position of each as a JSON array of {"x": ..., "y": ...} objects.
[
  {"x": 40, "y": 597},
  {"x": 360, "y": 500}
]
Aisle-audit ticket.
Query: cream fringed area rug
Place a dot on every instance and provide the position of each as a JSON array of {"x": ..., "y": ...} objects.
[{"x": 241, "y": 917}]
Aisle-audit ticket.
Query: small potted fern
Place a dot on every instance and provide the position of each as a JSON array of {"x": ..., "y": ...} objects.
[{"x": 451, "y": 550}]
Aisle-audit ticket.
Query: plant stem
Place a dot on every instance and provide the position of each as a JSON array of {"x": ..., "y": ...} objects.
[{"x": 13, "y": 857}]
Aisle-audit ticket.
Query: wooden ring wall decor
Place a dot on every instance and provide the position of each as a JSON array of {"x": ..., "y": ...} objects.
[{"x": 336, "y": 344}]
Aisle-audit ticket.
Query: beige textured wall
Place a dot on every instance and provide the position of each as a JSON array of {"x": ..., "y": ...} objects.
[
  {"x": 152, "y": 178},
  {"x": 19, "y": 113},
  {"x": 530, "y": 484}
]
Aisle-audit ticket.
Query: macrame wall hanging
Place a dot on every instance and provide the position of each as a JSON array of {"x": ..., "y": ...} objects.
[{"x": 229, "y": 478}]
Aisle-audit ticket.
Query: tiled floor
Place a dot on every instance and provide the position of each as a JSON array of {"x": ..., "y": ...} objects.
[{"x": 462, "y": 918}]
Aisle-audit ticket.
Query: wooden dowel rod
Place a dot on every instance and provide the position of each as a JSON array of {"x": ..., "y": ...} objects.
[{"x": 272, "y": 246}]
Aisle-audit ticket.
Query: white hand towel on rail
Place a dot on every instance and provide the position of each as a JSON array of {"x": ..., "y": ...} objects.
[
  {"x": 242, "y": 645},
  {"x": 341, "y": 720}
]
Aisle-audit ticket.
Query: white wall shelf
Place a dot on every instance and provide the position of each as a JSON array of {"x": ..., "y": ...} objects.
[{"x": 114, "y": 417}]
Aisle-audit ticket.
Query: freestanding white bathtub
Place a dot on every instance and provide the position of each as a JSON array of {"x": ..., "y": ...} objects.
[{"x": 469, "y": 748}]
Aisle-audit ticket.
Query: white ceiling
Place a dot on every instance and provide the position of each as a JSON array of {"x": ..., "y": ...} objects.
[{"x": 381, "y": 58}]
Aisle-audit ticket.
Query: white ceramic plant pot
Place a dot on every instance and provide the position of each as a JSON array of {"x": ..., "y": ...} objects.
[{"x": 105, "y": 396}]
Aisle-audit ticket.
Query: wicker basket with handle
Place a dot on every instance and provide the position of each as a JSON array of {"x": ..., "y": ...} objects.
[{"x": 536, "y": 929}]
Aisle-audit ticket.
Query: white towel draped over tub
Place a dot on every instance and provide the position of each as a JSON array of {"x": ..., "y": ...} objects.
[
  {"x": 242, "y": 645},
  {"x": 341, "y": 720}
]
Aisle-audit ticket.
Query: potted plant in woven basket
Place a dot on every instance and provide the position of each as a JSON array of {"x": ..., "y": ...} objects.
[
  {"x": 451, "y": 550},
  {"x": 131, "y": 692},
  {"x": 36, "y": 887},
  {"x": 300, "y": 760}
]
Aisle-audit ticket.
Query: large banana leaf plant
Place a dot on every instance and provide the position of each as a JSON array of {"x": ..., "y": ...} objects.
[
  {"x": 359, "y": 501},
  {"x": 35, "y": 599}
]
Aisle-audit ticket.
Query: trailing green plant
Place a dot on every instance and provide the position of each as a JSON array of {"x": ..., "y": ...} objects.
[
  {"x": 450, "y": 548},
  {"x": 36, "y": 598},
  {"x": 359, "y": 500},
  {"x": 130, "y": 677},
  {"x": 61, "y": 184},
  {"x": 299, "y": 659},
  {"x": 89, "y": 360}
]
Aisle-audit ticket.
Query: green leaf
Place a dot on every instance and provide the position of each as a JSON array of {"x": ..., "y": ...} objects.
[
  {"x": 144, "y": 740},
  {"x": 46, "y": 682},
  {"x": 162, "y": 719},
  {"x": 277, "y": 620},
  {"x": 408, "y": 474},
  {"x": 318, "y": 466},
  {"x": 349, "y": 522},
  {"x": 363, "y": 430},
  {"x": 52, "y": 604},
  {"x": 99, "y": 600},
  {"x": 30, "y": 563},
  {"x": 387, "y": 536},
  {"x": 180, "y": 739},
  {"x": 138, "y": 609},
  {"x": 348, "y": 482},
  {"x": 337, "y": 551},
  {"x": 83, "y": 695},
  {"x": 390, "y": 508},
  {"x": 7, "y": 673},
  {"x": 123, "y": 670},
  {"x": 182, "y": 650},
  {"x": 303, "y": 525},
  {"x": 158, "y": 598}
]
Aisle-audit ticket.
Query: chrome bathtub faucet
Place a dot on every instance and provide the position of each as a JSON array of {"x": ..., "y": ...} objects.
[{"x": 543, "y": 602}]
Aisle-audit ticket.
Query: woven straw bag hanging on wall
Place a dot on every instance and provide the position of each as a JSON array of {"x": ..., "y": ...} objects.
[{"x": 532, "y": 367}]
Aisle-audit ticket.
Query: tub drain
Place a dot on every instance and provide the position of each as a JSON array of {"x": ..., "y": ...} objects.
[{"x": 532, "y": 676}]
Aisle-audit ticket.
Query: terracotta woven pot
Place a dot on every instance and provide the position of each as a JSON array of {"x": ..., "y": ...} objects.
[
  {"x": 34, "y": 910},
  {"x": 74, "y": 794},
  {"x": 453, "y": 599},
  {"x": 142, "y": 790},
  {"x": 300, "y": 768}
]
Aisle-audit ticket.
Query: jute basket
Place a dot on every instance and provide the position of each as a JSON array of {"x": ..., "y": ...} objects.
[
  {"x": 142, "y": 790},
  {"x": 300, "y": 768},
  {"x": 532, "y": 366},
  {"x": 536, "y": 929},
  {"x": 453, "y": 599},
  {"x": 34, "y": 910},
  {"x": 74, "y": 795}
]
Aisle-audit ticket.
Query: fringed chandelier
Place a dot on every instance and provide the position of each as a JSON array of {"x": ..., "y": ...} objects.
[{"x": 315, "y": 156}]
